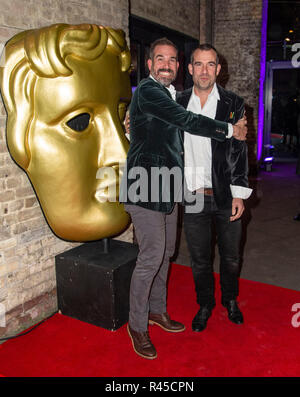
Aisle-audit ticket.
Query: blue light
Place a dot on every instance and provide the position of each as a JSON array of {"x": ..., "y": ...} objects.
[{"x": 268, "y": 159}]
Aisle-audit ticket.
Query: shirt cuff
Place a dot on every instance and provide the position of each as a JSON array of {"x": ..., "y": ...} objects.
[
  {"x": 230, "y": 131},
  {"x": 240, "y": 192},
  {"x": 127, "y": 136}
]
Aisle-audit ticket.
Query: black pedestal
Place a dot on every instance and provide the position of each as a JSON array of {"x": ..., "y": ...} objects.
[{"x": 93, "y": 286}]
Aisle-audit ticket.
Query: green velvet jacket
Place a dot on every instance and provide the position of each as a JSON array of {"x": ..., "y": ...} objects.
[{"x": 156, "y": 145}]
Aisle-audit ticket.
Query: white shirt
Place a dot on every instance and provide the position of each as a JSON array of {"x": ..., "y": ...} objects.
[{"x": 198, "y": 157}]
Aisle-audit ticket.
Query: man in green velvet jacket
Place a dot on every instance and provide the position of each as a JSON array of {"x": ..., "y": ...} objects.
[{"x": 156, "y": 121}]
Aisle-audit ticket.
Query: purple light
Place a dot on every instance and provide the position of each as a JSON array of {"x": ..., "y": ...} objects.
[{"x": 261, "y": 113}]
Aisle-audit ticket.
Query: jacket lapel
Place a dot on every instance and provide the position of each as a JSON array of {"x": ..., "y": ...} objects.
[
  {"x": 223, "y": 111},
  {"x": 223, "y": 106},
  {"x": 183, "y": 98}
]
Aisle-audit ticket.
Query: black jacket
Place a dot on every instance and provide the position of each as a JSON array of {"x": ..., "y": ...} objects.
[{"x": 230, "y": 157}]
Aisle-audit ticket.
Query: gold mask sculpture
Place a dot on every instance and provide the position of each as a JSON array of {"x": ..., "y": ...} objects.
[{"x": 65, "y": 90}]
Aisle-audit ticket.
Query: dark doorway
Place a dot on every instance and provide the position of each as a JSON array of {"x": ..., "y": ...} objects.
[
  {"x": 282, "y": 82},
  {"x": 282, "y": 110}
]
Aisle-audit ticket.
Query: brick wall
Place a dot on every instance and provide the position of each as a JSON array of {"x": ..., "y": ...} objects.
[
  {"x": 27, "y": 245},
  {"x": 182, "y": 16},
  {"x": 237, "y": 35}
]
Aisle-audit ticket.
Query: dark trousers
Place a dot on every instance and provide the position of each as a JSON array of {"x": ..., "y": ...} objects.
[{"x": 198, "y": 231}]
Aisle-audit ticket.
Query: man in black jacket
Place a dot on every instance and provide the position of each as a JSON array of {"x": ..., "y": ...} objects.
[
  {"x": 155, "y": 144},
  {"x": 223, "y": 186}
]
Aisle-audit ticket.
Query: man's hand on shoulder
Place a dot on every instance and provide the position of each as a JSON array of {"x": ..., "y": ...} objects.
[
  {"x": 240, "y": 129},
  {"x": 127, "y": 123}
]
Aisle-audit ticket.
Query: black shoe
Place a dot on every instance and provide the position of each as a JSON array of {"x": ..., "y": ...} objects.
[
  {"x": 234, "y": 313},
  {"x": 200, "y": 320}
]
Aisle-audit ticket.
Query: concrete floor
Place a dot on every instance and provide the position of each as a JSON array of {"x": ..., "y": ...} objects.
[{"x": 271, "y": 237}]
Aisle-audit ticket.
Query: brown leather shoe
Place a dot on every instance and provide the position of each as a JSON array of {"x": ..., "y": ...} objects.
[
  {"x": 142, "y": 344},
  {"x": 164, "y": 321}
]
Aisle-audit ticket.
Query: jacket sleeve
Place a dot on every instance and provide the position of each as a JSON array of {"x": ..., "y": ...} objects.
[
  {"x": 156, "y": 102},
  {"x": 237, "y": 156}
]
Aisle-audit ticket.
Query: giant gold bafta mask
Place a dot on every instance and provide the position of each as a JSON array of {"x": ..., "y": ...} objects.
[{"x": 65, "y": 90}]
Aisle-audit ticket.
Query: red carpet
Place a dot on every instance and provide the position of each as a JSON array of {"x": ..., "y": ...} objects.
[{"x": 266, "y": 345}]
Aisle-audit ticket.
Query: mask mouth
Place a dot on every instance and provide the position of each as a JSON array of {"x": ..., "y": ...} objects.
[{"x": 109, "y": 193}]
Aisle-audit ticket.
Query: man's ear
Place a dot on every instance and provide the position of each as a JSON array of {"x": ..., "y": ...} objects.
[
  {"x": 149, "y": 64},
  {"x": 190, "y": 67},
  {"x": 218, "y": 69}
]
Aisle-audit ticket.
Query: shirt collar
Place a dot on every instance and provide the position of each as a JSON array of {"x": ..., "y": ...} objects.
[{"x": 214, "y": 93}]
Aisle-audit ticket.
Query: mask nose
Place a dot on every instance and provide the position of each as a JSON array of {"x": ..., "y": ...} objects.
[{"x": 113, "y": 145}]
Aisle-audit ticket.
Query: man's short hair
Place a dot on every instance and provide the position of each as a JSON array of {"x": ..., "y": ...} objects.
[
  {"x": 205, "y": 47},
  {"x": 161, "y": 41}
]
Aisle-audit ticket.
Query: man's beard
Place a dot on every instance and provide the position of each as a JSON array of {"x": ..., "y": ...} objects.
[
  {"x": 204, "y": 85},
  {"x": 164, "y": 80}
]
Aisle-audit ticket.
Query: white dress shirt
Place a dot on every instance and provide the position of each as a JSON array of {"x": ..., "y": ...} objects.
[{"x": 198, "y": 156}]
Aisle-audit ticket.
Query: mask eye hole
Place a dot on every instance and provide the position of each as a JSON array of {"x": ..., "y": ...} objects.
[{"x": 80, "y": 122}]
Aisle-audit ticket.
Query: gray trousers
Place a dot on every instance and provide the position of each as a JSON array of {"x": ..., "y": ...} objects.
[{"x": 156, "y": 236}]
